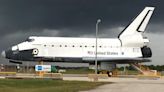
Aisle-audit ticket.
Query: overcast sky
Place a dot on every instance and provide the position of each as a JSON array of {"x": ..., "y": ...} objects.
[{"x": 20, "y": 19}]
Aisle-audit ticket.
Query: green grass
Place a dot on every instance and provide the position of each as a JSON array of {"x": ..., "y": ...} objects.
[
  {"x": 79, "y": 71},
  {"x": 130, "y": 72},
  {"x": 45, "y": 85}
]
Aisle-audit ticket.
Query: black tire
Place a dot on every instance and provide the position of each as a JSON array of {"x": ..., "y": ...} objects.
[{"x": 109, "y": 74}]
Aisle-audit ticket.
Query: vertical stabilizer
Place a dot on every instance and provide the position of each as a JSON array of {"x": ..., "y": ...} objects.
[{"x": 133, "y": 32}]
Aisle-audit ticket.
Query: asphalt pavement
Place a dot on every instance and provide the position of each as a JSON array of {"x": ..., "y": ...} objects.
[{"x": 125, "y": 84}]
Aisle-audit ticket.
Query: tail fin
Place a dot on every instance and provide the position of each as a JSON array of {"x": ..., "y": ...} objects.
[
  {"x": 137, "y": 27},
  {"x": 140, "y": 22}
]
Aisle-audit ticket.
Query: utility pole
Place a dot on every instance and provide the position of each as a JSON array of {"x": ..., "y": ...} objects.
[{"x": 97, "y": 29}]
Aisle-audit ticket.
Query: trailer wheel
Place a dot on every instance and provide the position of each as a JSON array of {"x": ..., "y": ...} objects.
[{"x": 109, "y": 73}]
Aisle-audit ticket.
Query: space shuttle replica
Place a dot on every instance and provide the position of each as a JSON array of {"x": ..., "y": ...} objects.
[{"x": 131, "y": 46}]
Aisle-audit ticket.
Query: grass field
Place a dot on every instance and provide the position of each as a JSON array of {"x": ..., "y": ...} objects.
[
  {"x": 45, "y": 85},
  {"x": 79, "y": 71}
]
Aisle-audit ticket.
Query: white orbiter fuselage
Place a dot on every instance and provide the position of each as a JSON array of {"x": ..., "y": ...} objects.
[{"x": 129, "y": 46}]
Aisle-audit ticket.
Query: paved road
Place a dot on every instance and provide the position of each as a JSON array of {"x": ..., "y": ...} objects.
[
  {"x": 130, "y": 87},
  {"x": 127, "y": 85}
]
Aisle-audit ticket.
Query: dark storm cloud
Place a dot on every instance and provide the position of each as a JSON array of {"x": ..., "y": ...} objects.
[
  {"x": 77, "y": 16},
  {"x": 22, "y": 18}
]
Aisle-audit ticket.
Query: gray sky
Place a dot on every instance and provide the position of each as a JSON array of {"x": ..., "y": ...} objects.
[{"x": 20, "y": 19}]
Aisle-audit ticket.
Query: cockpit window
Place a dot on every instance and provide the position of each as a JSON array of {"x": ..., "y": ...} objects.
[{"x": 29, "y": 40}]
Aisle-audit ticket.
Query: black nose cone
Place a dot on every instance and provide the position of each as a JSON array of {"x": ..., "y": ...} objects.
[{"x": 7, "y": 54}]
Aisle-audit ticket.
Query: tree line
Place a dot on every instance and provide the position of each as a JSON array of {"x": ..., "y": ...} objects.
[{"x": 151, "y": 67}]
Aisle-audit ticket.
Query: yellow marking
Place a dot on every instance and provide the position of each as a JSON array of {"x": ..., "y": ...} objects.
[
  {"x": 101, "y": 76},
  {"x": 149, "y": 76},
  {"x": 7, "y": 72},
  {"x": 53, "y": 75},
  {"x": 95, "y": 77}
]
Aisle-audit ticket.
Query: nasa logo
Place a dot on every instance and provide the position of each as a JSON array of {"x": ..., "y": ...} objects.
[{"x": 35, "y": 51}]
